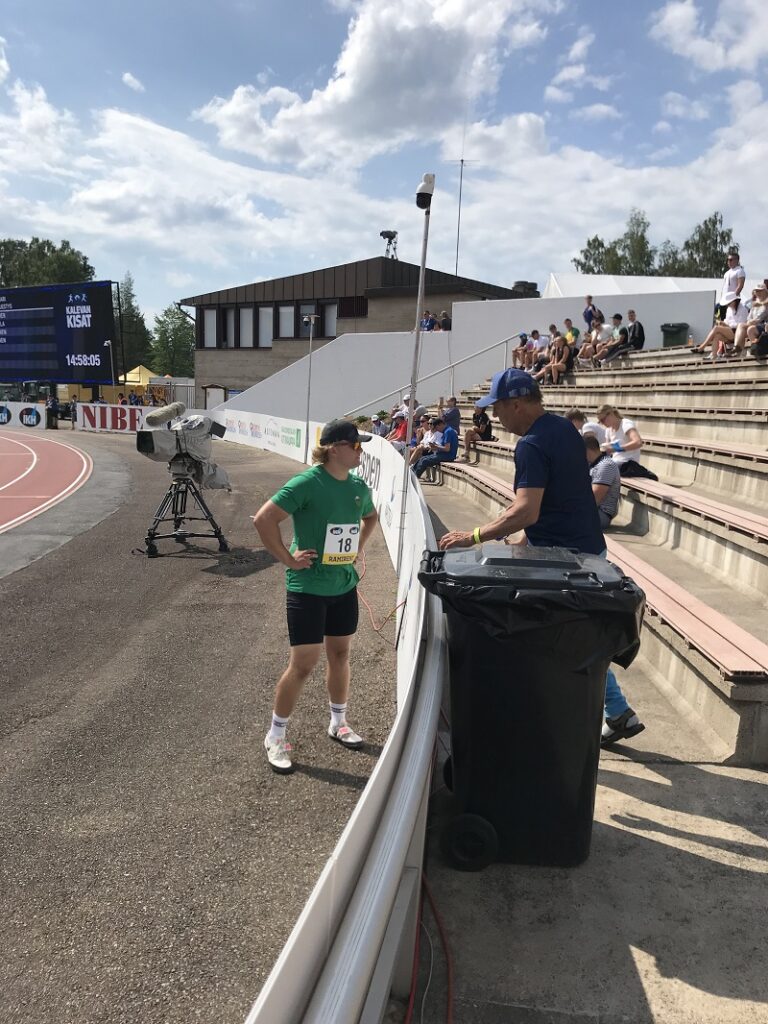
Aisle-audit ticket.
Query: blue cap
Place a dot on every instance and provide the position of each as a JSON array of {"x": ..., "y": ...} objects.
[{"x": 509, "y": 384}]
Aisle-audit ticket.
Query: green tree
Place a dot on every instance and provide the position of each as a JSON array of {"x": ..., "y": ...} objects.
[
  {"x": 136, "y": 340},
  {"x": 173, "y": 347},
  {"x": 701, "y": 255},
  {"x": 704, "y": 253},
  {"x": 41, "y": 261}
]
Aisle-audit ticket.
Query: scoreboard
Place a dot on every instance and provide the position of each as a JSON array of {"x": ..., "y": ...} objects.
[{"x": 56, "y": 333}]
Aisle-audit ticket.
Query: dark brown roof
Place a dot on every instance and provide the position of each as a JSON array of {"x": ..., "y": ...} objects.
[{"x": 375, "y": 277}]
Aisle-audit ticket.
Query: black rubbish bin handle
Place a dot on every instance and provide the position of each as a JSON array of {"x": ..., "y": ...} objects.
[{"x": 582, "y": 574}]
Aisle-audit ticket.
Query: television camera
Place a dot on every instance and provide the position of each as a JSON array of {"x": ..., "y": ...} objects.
[{"x": 186, "y": 446}]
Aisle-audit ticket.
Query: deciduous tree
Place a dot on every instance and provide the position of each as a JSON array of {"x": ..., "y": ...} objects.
[
  {"x": 173, "y": 347},
  {"x": 40, "y": 261}
]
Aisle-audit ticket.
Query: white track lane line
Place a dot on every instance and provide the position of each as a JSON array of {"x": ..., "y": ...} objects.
[
  {"x": 81, "y": 478},
  {"x": 29, "y": 468}
]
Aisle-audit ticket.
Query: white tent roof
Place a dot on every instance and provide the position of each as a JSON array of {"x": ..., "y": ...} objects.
[{"x": 600, "y": 285}]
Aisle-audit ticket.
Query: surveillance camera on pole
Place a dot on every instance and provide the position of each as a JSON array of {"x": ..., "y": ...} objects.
[{"x": 424, "y": 193}]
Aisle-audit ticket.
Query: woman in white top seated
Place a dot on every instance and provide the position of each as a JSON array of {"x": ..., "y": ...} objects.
[
  {"x": 623, "y": 442},
  {"x": 722, "y": 335},
  {"x": 756, "y": 322}
]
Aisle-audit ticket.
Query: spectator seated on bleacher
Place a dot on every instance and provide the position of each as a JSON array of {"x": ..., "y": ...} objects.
[
  {"x": 618, "y": 344},
  {"x": 606, "y": 480},
  {"x": 757, "y": 318},
  {"x": 560, "y": 362},
  {"x": 378, "y": 426},
  {"x": 539, "y": 354},
  {"x": 599, "y": 335},
  {"x": 482, "y": 430},
  {"x": 585, "y": 426},
  {"x": 519, "y": 352},
  {"x": 429, "y": 442},
  {"x": 396, "y": 436},
  {"x": 446, "y": 452},
  {"x": 722, "y": 335},
  {"x": 623, "y": 442}
]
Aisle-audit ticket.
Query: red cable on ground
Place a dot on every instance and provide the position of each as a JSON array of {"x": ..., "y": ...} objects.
[
  {"x": 415, "y": 967},
  {"x": 377, "y": 629},
  {"x": 446, "y": 949}
]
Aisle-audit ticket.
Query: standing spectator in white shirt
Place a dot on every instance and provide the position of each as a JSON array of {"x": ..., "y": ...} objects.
[{"x": 733, "y": 281}]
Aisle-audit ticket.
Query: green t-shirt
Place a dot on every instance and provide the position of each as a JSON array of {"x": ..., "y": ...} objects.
[{"x": 320, "y": 504}]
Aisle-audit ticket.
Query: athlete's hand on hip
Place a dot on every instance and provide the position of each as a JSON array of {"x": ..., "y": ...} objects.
[
  {"x": 303, "y": 559},
  {"x": 456, "y": 539}
]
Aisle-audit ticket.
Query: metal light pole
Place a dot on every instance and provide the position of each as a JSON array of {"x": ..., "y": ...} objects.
[
  {"x": 424, "y": 194},
  {"x": 108, "y": 344},
  {"x": 310, "y": 318}
]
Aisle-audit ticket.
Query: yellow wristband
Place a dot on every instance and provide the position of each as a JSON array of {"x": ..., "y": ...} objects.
[{"x": 476, "y": 535}]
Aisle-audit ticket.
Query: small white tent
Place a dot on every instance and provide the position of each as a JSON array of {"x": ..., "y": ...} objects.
[{"x": 561, "y": 286}]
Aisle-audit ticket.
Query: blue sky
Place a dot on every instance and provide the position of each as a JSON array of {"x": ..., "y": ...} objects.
[{"x": 201, "y": 146}]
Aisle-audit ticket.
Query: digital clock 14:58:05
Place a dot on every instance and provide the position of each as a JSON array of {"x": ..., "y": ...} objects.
[{"x": 83, "y": 360}]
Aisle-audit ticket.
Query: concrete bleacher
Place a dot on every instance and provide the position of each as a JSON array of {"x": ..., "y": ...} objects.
[{"x": 696, "y": 541}]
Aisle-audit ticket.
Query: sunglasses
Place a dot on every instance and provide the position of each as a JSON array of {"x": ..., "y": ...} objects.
[{"x": 357, "y": 445}]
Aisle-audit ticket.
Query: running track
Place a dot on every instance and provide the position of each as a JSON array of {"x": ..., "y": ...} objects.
[{"x": 36, "y": 473}]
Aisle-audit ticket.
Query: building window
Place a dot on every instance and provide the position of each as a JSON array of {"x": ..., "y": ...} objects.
[
  {"x": 266, "y": 326},
  {"x": 353, "y": 307},
  {"x": 246, "y": 327},
  {"x": 305, "y": 309},
  {"x": 286, "y": 326},
  {"x": 209, "y": 328},
  {"x": 228, "y": 340},
  {"x": 329, "y": 320}
]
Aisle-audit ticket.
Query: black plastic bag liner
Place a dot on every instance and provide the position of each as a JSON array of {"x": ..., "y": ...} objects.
[{"x": 531, "y": 633}]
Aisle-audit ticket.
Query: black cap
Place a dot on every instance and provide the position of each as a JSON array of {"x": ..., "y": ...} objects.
[{"x": 341, "y": 430}]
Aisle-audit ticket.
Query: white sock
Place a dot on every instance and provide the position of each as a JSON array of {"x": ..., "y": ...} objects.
[
  {"x": 277, "y": 731},
  {"x": 338, "y": 714}
]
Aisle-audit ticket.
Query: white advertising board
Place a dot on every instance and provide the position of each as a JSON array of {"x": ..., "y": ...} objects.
[
  {"x": 22, "y": 414},
  {"x": 272, "y": 433},
  {"x": 116, "y": 419}
]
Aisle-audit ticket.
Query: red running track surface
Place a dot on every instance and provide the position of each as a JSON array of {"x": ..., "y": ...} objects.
[{"x": 36, "y": 473}]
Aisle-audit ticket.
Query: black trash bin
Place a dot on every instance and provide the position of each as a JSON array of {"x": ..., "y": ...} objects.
[
  {"x": 531, "y": 633},
  {"x": 674, "y": 334}
]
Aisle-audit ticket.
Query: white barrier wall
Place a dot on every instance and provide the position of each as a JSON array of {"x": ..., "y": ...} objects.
[
  {"x": 22, "y": 414},
  {"x": 375, "y": 368},
  {"x": 334, "y": 946}
]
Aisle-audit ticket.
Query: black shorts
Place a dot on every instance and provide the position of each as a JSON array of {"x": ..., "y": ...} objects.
[{"x": 312, "y": 617}]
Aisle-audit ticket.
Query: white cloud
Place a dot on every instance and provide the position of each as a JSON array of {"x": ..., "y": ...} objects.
[
  {"x": 523, "y": 34},
  {"x": 37, "y": 138},
  {"x": 554, "y": 94},
  {"x": 736, "y": 38},
  {"x": 580, "y": 48},
  {"x": 132, "y": 82},
  {"x": 387, "y": 87},
  {"x": 575, "y": 76},
  {"x": 571, "y": 74},
  {"x": 662, "y": 127},
  {"x": 663, "y": 153},
  {"x": 5, "y": 67},
  {"x": 597, "y": 112},
  {"x": 675, "y": 105}
]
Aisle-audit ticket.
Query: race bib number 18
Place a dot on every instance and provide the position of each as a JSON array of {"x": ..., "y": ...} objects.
[{"x": 341, "y": 543}]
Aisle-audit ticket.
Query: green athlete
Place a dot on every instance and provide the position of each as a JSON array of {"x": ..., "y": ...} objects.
[{"x": 333, "y": 517}]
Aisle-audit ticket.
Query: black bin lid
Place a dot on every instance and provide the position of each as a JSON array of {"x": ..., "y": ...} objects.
[{"x": 527, "y": 567}]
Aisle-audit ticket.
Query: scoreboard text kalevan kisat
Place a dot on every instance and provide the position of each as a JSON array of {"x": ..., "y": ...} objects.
[{"x": 57, "y": 333}]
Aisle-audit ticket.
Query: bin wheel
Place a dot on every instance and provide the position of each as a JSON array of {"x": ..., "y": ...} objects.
[
  {"x": 152, "y": 551},
  {"x": 469, "y": 842},
  {"x": 448, "y": 773}
]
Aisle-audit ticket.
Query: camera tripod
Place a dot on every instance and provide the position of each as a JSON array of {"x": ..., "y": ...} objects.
[{"x": 173, "y": 508}]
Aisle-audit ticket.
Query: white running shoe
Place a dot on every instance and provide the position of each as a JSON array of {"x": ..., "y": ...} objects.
[
  {"x": 345, "y": 736},
  {"x": 278, "y": 755}
]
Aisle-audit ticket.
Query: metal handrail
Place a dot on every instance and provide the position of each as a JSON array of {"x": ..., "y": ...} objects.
[{"x": 443, "y": 369}]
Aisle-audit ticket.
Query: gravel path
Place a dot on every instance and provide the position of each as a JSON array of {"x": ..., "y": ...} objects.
[{"x": 151, "y": 864}]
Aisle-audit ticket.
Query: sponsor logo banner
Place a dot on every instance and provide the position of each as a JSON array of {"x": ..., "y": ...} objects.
[{"x": 22, "y": 414}]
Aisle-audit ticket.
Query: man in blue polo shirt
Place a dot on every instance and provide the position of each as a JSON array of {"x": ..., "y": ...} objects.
[
  {"x": 554, "y": 503},
  {"x": 444, "y": 452}
]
